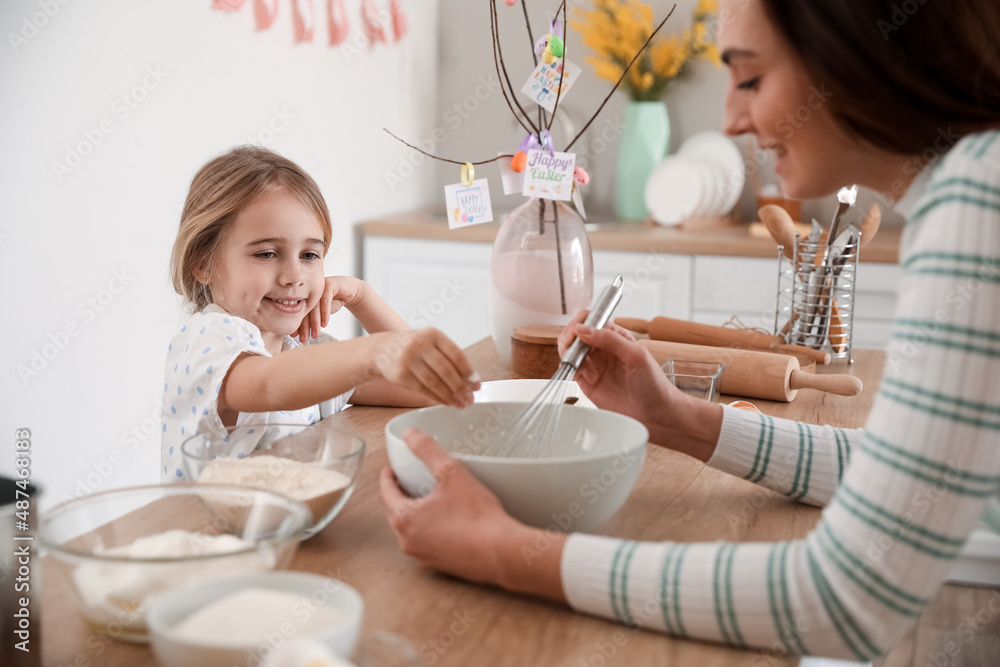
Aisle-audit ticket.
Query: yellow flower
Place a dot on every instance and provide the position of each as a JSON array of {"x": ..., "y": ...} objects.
[
  {"x": 666, "y": 57},
  {"x": 605, "y": 70},
  {"x": 706, "y": 7},
  {"x": 616, "y": 31}
]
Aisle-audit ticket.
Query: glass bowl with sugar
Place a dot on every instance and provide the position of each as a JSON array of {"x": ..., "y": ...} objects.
[
  {"x": 115, "y": 551},
  {"x": 316, "y": 464}
]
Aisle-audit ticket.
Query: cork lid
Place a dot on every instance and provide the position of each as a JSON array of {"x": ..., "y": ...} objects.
[{"x": 538, "y": 334}]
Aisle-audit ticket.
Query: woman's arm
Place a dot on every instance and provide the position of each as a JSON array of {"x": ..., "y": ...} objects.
[
  {"x": 474, "y": 539},
  {"x": 802, "y": 461}
]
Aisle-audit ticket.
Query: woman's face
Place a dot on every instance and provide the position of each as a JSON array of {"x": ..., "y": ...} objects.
[{"x": 771, "y": 95}]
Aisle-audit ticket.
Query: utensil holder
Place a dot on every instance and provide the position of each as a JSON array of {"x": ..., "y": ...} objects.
[{"x": 816, "y": 296}]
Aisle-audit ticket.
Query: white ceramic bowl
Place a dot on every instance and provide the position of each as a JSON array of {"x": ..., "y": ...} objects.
[
  {"x": 170, "y": 609},
  {"x": 596, "y": 459},
  {"x": 525, "y": 391}
]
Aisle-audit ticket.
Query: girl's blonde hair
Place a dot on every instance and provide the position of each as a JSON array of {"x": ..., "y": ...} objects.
[{"x": 220, "y": 190}]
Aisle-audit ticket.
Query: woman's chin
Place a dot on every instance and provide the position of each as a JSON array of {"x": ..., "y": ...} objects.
[{"x": 795, "y": 186}]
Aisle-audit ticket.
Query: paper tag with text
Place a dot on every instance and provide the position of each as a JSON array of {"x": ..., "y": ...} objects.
[
  {"x": 513, "y": 182},
  {"x": 549, "y": 176},
  {"x": 543, "y": 84},
  {"x": 468, "y": 205}
]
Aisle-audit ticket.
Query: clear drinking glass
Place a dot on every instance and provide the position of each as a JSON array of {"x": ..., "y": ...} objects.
[{"x": 698, "y": 378}]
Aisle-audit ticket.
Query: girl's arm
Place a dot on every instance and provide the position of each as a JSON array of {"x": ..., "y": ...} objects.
[
  {"x": 425, "y": 361},
  {"x": 381, "y": 392}
]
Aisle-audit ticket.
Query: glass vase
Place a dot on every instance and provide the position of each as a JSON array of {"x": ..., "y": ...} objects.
[
  {"x": 542, "y": 270},
  {"x": 644, "y": 142}
]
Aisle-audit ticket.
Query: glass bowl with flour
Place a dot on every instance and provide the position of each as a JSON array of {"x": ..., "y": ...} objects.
[
  {"x": 117, "y": 550},
  {"x": 315, "y": 464}
]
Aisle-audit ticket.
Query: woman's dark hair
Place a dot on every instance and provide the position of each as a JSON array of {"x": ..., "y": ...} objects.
[{"x": 900, "y": 74}]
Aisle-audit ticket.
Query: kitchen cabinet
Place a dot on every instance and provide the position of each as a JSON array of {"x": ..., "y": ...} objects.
[
  {"x": 446, "y": 284},
  {"x": 438, "y": 277},
  {"x": 745, "y": 287}
]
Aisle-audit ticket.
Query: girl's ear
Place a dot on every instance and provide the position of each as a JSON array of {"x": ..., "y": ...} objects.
[{"x": 201, "y": 275}]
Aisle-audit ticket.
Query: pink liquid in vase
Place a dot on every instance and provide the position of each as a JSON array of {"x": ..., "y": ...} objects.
[{"x": 542, "y": 271}]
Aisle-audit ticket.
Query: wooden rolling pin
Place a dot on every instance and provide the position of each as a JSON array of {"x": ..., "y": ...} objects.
[
  {"x": 682, "y": 331},
  {"x": 754, "y": 374}
]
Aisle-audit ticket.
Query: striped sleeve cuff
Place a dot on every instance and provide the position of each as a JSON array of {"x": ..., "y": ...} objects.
[
  {"x": 586, "y": 568},
  {"x": 802, "y": 461}
]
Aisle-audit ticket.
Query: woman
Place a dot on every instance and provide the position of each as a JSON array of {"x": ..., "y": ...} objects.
[{"x": 905, "y": 104}]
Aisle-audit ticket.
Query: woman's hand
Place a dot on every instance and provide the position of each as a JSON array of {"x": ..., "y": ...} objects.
[
  {"x": 340, "y": 291},
  {"x": 618, "y": 373},
  {"x": 429, "y": 362},
  {"x": 459, "y": 527},
  {"x": 462, "y": 529}
]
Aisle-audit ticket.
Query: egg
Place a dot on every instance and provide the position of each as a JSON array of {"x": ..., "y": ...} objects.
[{"x": 519, "y": 162}]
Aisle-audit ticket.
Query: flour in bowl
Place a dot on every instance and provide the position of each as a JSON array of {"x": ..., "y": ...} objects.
[
  {"x": 319, "y": 488},
  {"x": 247, "y": 617},
  {"x": 117, "y": 591}
]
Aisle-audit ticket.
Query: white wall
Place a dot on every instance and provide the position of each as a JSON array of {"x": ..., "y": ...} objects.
[
  {"x": 694, "y": 105},
  {"x": 64, "y": 239}
]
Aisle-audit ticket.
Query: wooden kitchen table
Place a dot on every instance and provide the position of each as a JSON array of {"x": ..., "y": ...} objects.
[{"x": 452, "y": 622}]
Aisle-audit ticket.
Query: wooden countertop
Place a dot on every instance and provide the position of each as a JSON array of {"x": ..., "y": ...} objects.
[
  {"x": 716, "y": 237},
  {"x": 676, "y": 498}
]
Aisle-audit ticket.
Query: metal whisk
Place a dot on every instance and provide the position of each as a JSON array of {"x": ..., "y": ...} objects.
[{"x": 533, "y": 429}]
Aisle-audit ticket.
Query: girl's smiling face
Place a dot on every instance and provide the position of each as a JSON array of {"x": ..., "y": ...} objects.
[
  {"x": 773, "y": 97},
  {"x": 270, "y": 267}
]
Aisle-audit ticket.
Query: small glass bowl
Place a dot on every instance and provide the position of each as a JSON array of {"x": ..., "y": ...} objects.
[
  {"x": 698, "y": 378},
  {"x": 319, "y": 464},
  {"x": 113, "y": 590}
]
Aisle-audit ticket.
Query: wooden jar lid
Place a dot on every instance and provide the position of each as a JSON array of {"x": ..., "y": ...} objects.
[{"x": 538, "y": 334}]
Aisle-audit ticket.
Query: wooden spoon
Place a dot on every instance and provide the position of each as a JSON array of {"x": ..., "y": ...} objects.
[
  {"x": 869, "y": 226},
  {"x": 781, "y": 226}
]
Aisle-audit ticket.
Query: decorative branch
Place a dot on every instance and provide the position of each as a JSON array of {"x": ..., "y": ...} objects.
[
  {"x": 562, "y": 69},
  {"x": 495, "y": 21},
  {"x": 622, "y": 78},
  {"x": 534, "y": 56},
  {"x": 443, "y": 159},
  {"x": 495, "y": 38}
]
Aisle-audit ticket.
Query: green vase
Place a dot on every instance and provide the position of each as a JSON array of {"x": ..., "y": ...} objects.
[{"x": 644, "y": 143}]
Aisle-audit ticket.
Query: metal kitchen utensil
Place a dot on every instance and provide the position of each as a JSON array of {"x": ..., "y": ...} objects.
[
  {"x": 531, "y": 432},
  {"x": 818, "y": 307},
  {"x": 815, "y": 300}
]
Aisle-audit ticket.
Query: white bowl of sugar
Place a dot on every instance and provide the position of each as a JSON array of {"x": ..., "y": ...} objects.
[{"x": 244, "y": 620}]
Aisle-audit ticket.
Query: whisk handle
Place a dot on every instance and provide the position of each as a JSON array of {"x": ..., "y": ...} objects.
[{"x": 599, "y": 316}]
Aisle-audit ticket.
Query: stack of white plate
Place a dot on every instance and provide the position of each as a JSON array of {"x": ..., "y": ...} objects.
[{"x": 703, "y": 180}]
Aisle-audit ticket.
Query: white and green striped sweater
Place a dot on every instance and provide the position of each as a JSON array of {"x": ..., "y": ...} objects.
[{"x": 913, "y": 482}]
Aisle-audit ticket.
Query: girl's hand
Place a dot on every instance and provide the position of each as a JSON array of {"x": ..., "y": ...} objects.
[
  {"x": 339, "y": 291},
  {"x": 429, "y": 362},
  {"x": 618, "y": 373},
  {"x": 459, "y": 528}
]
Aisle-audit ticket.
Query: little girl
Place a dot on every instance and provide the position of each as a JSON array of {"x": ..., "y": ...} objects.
[{"x": 249, "y": 260}]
